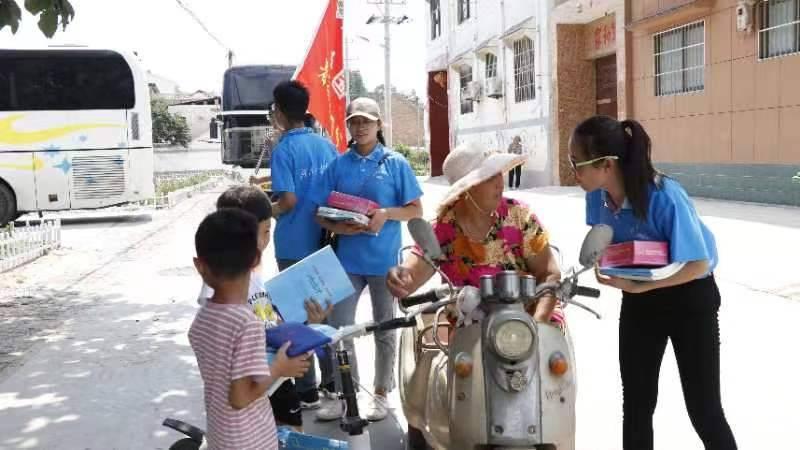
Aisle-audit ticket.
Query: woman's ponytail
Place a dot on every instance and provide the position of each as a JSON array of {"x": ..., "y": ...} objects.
[{"x": 637, "y": 167}]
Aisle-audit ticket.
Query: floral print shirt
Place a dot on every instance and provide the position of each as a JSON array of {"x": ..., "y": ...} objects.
[{"x": 515, "y": 236}]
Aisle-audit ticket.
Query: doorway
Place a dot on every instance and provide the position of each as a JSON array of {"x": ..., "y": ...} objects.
[
  {"x": 438, "y": 120},
  {"x": 606, "y": 85}
]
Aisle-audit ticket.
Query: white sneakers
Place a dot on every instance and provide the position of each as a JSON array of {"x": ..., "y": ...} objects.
[
  {"x": 377, "y": 408},
  {"x": 333, "y": 409}
]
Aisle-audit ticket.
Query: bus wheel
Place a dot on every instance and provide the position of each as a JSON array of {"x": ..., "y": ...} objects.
[{"x": 8, "y": 205}]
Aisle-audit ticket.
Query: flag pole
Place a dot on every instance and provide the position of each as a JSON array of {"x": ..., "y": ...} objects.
[{"x": 346, "y": 63}]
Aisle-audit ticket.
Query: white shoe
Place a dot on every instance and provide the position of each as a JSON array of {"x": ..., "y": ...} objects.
[
  {"x": 330, "y": 410},
  {"x": 325, "y": 395},
  {"x": 377, "y": 408}
]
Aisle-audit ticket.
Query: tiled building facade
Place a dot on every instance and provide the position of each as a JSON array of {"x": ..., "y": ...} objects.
[{"x": 715, "y": 82}]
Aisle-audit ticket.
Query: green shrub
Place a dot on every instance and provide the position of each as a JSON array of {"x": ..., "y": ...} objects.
[{"x": 166, "y": 186}]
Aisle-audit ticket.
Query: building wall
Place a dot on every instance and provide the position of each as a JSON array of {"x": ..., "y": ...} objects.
[
  {"x": 574, "y": 85},
  {"x": 496, "y": 121},
  {"x": 407, "y": 120},
  {"x": 581, "y": 32},
  {"x": 197, "y": 117},
  {"x": 738, "y": 138}
]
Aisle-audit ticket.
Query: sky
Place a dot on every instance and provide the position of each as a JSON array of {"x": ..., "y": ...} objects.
[{"x": 171, "y": 44}]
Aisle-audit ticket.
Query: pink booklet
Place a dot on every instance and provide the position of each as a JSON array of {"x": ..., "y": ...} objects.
[
  {"x": 351, "y": 203},
  {"x": 636, "y": 253}
]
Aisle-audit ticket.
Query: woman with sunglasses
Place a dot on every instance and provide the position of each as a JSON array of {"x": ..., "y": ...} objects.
[{"x": 611, "y": 161}]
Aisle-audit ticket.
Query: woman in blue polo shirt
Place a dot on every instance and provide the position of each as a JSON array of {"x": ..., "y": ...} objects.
[
  {"x": 611, "y": 161},
  {"x": 371, "y": 171}
]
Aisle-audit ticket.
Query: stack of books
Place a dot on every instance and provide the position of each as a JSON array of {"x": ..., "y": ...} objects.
[
  {"x": 347, "y": 208},
  {"x": 639, "y": 261}
]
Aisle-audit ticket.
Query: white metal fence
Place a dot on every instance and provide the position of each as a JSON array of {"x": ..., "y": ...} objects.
[{"x": 19, "y": 245}]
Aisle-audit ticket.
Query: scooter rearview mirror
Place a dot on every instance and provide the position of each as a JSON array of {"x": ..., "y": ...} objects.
[
  {"x": 423, "y": 235},
  {"x": 594, "y": 244}
]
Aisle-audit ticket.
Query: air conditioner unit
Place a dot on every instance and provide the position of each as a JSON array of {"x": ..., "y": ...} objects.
[
  {"x": 744, "y": 15},
  {"x": 494, "y": 87},
  {"x": 473, "y": 91}
]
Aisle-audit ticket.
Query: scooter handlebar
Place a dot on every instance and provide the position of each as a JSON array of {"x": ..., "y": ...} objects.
[
  {"x": 584, "y": 291},
  {"x": 419, "y": 299},
  {"x": 393, "y": 324}
]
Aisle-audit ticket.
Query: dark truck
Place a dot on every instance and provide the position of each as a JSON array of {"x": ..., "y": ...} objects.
[{"x": 246, "y": 120}]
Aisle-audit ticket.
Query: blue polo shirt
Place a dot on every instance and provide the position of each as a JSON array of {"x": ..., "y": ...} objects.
[
  {"x": 297, "y": 164},
  {"x": 391, "y": 184},
  {"x": 670, "y": 218}
]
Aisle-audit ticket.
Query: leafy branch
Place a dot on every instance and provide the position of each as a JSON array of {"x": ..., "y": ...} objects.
[{"x": 51, "y": 13}]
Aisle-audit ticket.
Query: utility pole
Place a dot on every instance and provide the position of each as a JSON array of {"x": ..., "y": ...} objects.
[
  {"x": 387, "y": 67},
  {"x": 346, "y": 74},
  {"x": 387, "y": 20}
]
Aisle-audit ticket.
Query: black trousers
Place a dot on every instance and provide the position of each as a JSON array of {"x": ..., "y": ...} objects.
[
  {"x": 516, "y": 172},
  {"x": 686, "y": 315}
]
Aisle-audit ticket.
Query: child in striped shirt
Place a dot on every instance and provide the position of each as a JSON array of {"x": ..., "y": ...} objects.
[{"x": 229, "y": 341}]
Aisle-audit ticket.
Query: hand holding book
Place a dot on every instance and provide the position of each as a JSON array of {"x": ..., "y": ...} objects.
[
  {"x": 285, "y": 366},
  {"x": 315, "y": 312},
  {"x": 377, "y": 219}
]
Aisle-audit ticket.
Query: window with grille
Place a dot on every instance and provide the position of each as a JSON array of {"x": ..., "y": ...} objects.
[
  {"x": 490, "y": 62},
  {"x": 679, "y": 59},
  {"x": 463, "y": 10},
  {"x": 524, "y": 85},
  {"x": 436, "y": 19},
  {"x": 779, "y": 28},
  {"x": 465, "y": 77}
]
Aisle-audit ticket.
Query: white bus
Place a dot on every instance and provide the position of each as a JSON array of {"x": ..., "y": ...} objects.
[{"x": 75, "y": 130}]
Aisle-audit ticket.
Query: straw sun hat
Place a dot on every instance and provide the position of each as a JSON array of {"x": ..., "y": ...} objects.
[{"x": 469, "y": 165}]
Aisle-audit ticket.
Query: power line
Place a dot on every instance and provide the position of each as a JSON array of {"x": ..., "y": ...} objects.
[{"x": 202, "y": 25}]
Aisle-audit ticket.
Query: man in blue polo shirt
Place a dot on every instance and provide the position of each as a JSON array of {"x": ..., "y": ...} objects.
[{"x": 297, "y": 164}]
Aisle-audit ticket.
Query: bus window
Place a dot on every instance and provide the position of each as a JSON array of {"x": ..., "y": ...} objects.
[{"x": 51, "y": 80}]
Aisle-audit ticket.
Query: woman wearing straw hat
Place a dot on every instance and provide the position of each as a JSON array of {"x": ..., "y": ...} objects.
[
  {"x": 481, "y": 232},
  {"x": 371, "y": 171}
]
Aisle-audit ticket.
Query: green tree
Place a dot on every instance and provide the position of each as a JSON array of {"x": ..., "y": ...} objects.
[
  {"x": 357, "y": 87},
  {"x": 50, "y": 12},
  {"x": 167, "y": 127}
]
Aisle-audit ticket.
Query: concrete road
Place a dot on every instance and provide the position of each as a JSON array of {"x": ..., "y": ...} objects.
[{"x": 94, "y": 335}]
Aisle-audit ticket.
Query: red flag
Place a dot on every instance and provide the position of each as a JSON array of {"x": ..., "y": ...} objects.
[{"x": 322, "y": 72}]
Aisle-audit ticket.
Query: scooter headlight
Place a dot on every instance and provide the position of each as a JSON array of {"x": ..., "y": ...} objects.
[{"x": 513, "y": 339}]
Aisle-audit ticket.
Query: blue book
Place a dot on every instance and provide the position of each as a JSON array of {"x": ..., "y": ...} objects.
[
  {"x": 642, "y": 273},
  {"x": 319, "y": 276},
  {"x": 289, "y": 439},
  {"x": 303, "y": 338}
]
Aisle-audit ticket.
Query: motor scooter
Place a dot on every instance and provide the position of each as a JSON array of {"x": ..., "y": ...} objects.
[{"x": 502, "y": 381}]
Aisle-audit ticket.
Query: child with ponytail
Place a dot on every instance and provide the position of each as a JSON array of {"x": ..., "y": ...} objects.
[{"x": 611, "y": 161}]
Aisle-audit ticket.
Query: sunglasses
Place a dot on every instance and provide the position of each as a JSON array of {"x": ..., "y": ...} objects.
[{"x": 577, "y": 165}]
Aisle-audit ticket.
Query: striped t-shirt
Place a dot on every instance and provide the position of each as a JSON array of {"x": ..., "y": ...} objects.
[{"x": 229, "y": 343}]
